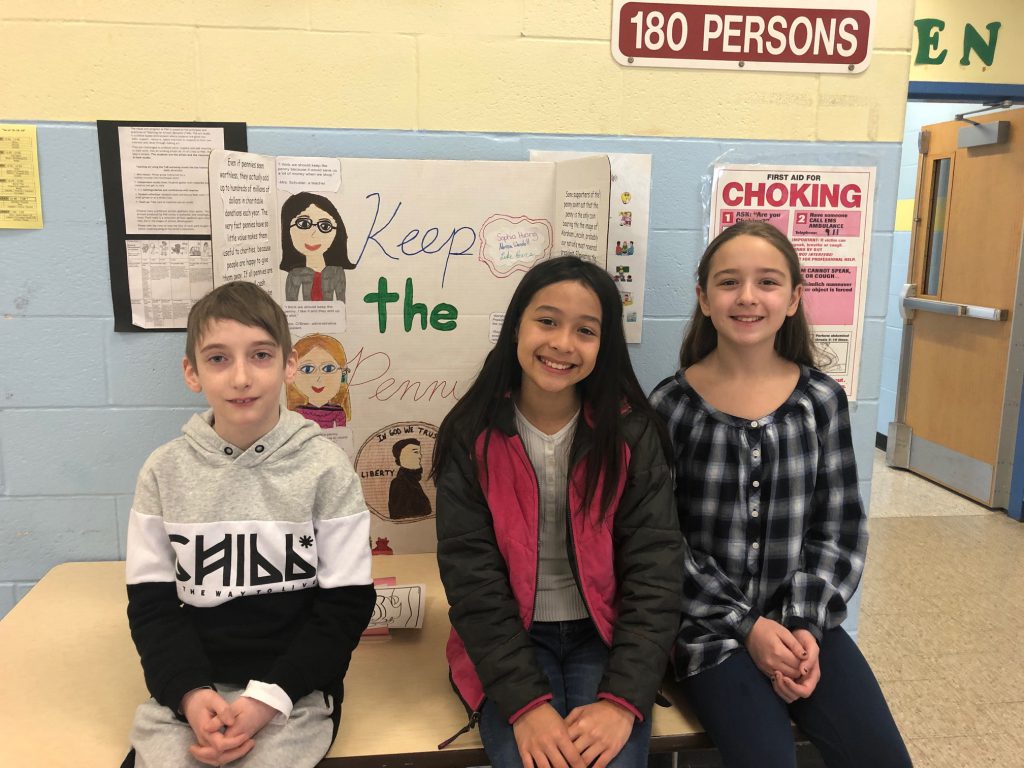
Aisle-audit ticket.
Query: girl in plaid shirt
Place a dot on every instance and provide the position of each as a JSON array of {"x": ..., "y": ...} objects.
[{"x": 766, "y": 488}]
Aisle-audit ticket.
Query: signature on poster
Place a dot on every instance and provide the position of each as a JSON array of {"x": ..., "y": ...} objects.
[{"x": 510, "y": 244}]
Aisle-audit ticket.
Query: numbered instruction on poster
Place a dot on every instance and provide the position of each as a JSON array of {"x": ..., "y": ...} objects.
[
  {"x": 825, "y": 211},
  {"x": 395, "y": 275}
]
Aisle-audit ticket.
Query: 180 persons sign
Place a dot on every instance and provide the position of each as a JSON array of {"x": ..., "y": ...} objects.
[{"x": 795, "y": 36}]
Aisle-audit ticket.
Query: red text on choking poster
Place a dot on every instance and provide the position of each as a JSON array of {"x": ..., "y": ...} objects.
[
  {"x": 829, "y": 223},
  {"x": 778, "y": 218},
  {"x": 829, "y": 295}
]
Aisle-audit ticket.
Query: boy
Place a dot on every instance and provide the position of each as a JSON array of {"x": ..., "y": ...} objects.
[{"x": 248, "y": 568}]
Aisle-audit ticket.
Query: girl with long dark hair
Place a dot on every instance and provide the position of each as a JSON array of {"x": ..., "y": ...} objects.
[{"x": 557, "y": 539}]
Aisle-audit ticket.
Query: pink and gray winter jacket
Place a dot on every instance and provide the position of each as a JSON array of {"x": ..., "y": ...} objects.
[{"x": 628, "y": 567}]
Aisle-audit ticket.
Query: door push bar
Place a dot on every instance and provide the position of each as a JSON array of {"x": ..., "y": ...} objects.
[{"x": 909, "y": 303}]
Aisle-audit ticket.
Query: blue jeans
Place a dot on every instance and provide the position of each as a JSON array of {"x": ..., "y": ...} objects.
[
  {"x": 573, "y": 657},
  {"x": 846, "y": 716}
]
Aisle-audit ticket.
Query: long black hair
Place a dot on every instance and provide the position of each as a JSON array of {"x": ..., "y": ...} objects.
[
  {"x": 335, "y": 256},
  {"x": 611, "y": 385},
  {"x": 793, "y": 341}
]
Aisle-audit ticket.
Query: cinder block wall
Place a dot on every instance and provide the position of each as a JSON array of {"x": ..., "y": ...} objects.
[{"x": 81, "y": 406}]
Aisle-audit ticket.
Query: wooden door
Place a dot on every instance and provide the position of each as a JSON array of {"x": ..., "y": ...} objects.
[{"x": 959, "y": 373}]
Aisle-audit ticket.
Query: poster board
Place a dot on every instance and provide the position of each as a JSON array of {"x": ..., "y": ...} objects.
[
  {"x": 825, "y": 211},
  {"x": 395, "y": 275}
]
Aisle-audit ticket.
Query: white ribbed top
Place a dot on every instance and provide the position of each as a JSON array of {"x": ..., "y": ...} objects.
[{"x": 558, "y": 597}]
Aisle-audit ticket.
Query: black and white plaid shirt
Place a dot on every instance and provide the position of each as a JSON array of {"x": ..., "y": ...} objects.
[{"x": 770, "y": 511}]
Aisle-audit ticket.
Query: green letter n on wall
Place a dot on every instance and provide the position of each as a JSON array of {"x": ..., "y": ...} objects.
[
  {"x": 973, "y": 42},
  {"x": 928, "y": 41}
]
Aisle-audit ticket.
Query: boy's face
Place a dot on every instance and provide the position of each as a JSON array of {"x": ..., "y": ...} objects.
[{"x": 240, "y": 369}]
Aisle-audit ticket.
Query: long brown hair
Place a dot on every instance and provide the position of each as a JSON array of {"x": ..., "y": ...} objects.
[
  {"x": 611, "y": 384},
  {"x": 793, "y": 341}
]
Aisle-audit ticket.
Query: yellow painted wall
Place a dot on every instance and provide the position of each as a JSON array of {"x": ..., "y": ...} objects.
[
  {"x": 904, "y": 215},
  {"x": 468, "y": 65},
  {"x": 1008, "y": 63}
]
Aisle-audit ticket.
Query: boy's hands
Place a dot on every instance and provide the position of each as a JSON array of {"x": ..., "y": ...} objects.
[
  {"x": 208, "y": 713},
  {"x": 599, "y": 731},
  {"x": 250, "y": 716},
  {"x": 224, "y": 732},
  {"x": 543, "y": 740}
]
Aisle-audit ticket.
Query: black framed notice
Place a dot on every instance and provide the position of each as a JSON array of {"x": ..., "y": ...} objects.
[{"x": 156, "y": 195}]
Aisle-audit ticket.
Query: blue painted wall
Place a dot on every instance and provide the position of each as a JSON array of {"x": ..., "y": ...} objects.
[
  {"x": 82, "y": 407},
  {"x": 1016, "y": 510}
]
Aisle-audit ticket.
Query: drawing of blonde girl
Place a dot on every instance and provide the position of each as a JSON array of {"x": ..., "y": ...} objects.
[{"x": 320, "y": 388}]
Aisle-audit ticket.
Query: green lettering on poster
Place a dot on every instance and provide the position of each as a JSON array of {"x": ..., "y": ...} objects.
[{"x": 441, "y": 318}]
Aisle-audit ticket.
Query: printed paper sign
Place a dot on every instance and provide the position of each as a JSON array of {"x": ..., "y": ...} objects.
[
  {"x": 21, "y": 205},
  {"x": 163, "y": 177},
  {"x": 790, "y": 36},
  {"x": 157, "y": 200},
  {"x": 165, "y": 278},
  {"x": 826, "y": 214}
]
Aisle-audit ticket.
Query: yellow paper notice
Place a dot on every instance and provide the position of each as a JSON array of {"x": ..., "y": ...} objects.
[{"x": 20, "y": 202}]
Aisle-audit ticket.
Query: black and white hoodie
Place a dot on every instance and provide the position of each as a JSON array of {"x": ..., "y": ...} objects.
[{"x": 248, "y": 567}]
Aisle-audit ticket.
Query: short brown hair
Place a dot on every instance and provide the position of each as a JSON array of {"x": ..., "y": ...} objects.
[{"x": 242, "y": 302}]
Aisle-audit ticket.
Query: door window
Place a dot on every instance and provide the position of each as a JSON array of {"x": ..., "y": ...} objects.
[{"x": 939, "y": 200}]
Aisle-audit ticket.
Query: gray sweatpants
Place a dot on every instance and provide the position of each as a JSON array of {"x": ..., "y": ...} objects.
[{"x": 162, "y": 741}]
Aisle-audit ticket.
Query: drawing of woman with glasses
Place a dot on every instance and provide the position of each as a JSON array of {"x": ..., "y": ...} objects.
[
  {"x": 314, "y": 248},
  {"x": 319, "y": 390}
]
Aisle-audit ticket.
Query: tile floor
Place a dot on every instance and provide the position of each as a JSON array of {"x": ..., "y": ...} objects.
[{"x": 942, "y": 615}]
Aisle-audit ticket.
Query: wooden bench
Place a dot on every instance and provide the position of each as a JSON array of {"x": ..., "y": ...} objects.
[{"x": 70, "y": 681}]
